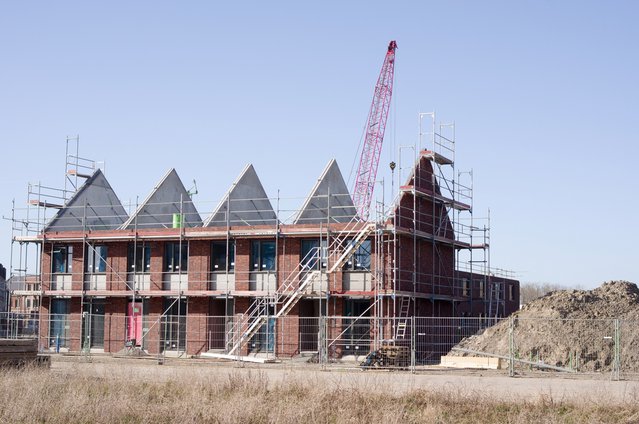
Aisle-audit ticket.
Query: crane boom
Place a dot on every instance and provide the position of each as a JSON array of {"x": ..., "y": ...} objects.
[{"x": 375, "y": 127}]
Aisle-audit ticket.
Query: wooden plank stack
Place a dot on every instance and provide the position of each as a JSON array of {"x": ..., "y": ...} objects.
[{"x": 20, "y": 352}]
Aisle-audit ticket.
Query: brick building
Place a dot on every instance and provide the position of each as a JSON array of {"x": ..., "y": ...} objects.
[{"x": 244, "y": 279}]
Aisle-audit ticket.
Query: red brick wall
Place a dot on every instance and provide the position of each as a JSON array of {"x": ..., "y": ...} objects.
[
  {"x": 196, "y": 325},
  {"x": 75, "y": 322},
  {"x": 199, "y": 264},
  {"x": 287, "y": 335},
  {"x": 336, "y": 282},
  {"x": 117, "y": 263},
  {"x": 45, "y": 309},
  {"x": 242, "y": 265},
  {"x": 157, "y": 264},
  {"x": 241, "y": 306},
  {"x": 152, "y": 339},
  {"x": 115, "y": 324},
  {"x": 46, "y": 267},
  {"x": 288, "y": 258},
  {"x": 77, "y": 278},
  {"x": 335, "y": 308}
]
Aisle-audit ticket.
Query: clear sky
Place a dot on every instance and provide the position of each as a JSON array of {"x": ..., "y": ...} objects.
[{"x": 544, "y": 95}]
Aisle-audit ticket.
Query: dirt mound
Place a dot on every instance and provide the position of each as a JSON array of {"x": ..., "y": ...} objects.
[
  {"x": 570, "y": 328},
  {"x": 614, "y": 299}
]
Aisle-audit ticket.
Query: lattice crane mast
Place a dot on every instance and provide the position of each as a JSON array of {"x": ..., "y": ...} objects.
[{"x": 375, "y": 127}]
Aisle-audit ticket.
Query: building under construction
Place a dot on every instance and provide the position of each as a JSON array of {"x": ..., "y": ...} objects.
[
  {"x": 165, "y": 278},
  {"x": 340, "y": 273}
]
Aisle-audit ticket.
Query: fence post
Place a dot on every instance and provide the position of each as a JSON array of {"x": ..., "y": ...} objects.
[
  {"x": 413, "y": 344},
  {"x": 511, "y": 347},
  {"x": 616, "y": 367},
  {"x": 322, "y": 342}
]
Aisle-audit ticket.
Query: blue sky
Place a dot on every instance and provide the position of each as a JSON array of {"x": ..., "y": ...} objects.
[{"x": 544, "y": 96}]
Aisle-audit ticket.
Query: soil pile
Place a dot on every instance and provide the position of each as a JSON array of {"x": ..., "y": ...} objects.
[{"x": 571, "y": 329}]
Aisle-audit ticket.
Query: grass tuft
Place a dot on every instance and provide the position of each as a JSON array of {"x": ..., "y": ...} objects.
[{"x": 40, "y": 395}]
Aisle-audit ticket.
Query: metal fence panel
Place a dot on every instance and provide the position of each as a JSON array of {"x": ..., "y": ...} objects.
[{"x": 528, "y": 346}]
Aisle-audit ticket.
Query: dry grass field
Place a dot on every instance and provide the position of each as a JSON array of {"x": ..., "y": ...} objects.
[{"x": 88, "y": 393}]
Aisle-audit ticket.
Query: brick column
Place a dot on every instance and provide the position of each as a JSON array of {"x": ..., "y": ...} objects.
[
  {"x": 335, "y": 308},
  {"x": 45, "y": 309},
  {"x": 288, "y": 258},
  {"x": 199, "y": 264},
  {"x": 77, "y": 276},
  {"x": 196, "y": 328},
  {"x": 242, "y": 264},
  {"x": 157, "y": 263},
  {"x": 152, "y": 339},
  {"x": 241, "y": 306},
  {"x": 75, "y": 323},
  {"x": 115, "y": 324},
  {"x": 287, "y": 334},
  {"x": 46, "y": 267},
  {"x": 117, "y": 263}
]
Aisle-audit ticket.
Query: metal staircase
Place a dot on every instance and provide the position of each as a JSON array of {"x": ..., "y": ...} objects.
[{"x": 296, "y": 284}]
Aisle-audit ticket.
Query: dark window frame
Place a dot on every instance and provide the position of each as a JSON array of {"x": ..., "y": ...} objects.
[
  {"x": 314, "y": 261},
  {"x": 263, "y": 255},
  {"x": 62, "y": 255},
  {"x": 361, "y": 259},
  {"x": 96, "y": 253},
  {"x": 221, "y": 260},
  {"x": 142, "y": 258},
  {"x": 175, "y": 260}
]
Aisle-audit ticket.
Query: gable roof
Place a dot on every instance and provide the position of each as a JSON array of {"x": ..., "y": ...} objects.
[
  {"x": 95, "y": 206},
  {"x": 167, "y": 198},
  {"x": 244, "y": 204},
  {"x": 329, "y": 192}
]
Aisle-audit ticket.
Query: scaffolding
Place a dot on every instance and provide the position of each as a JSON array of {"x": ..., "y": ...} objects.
[{"x": 430, "y": 207}]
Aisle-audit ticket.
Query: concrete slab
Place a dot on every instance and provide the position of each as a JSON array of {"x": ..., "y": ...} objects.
[{"x": 471, "y": 362}]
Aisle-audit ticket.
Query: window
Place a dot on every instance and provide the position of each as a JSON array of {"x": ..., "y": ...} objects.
[
  {"x": 511, "y": 292},
  {"x": 139, "y": 257},
  {"x": 59, "y": 327},
  {"x": 481, "y": 288},
  {"x": 62, "y": 259},
  {"x": 264, "y": 339},
  {"x": 28, "y": 303},
  {"x": 465, "y": 291},
  {"x": 220, "y": 260},
  {"x": 356, "y": 332},
  {"x": 176, "y": 257},
  {"x": 309, "y": 253},
  {"x": 361, "y": 259},
  {"x": 173, "y": 326},
  {"x": 96, "y": 259},
  {"x": 262, "y": 255}
]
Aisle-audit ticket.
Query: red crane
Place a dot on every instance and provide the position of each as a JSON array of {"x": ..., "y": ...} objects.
[{"x": 375, "y": 127}]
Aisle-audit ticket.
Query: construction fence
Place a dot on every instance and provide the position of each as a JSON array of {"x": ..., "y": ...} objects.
[{"x": 597, "y": 347}]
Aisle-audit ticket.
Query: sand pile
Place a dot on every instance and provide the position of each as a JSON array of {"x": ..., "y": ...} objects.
[{"x": 571, "y": 328}]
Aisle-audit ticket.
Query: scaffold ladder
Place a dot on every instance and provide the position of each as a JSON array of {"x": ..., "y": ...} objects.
[
  {"x": 402, "y": 324},
  {"x": 494, "y": 300}
]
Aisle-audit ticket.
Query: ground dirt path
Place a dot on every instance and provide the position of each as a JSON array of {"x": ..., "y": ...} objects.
[{"x": 456, "y": 382}]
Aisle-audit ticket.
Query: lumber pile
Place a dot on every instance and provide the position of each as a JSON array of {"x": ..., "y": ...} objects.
[
  {"x": 388, "y": 356},
  {"x": 19, "y": 352}
]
